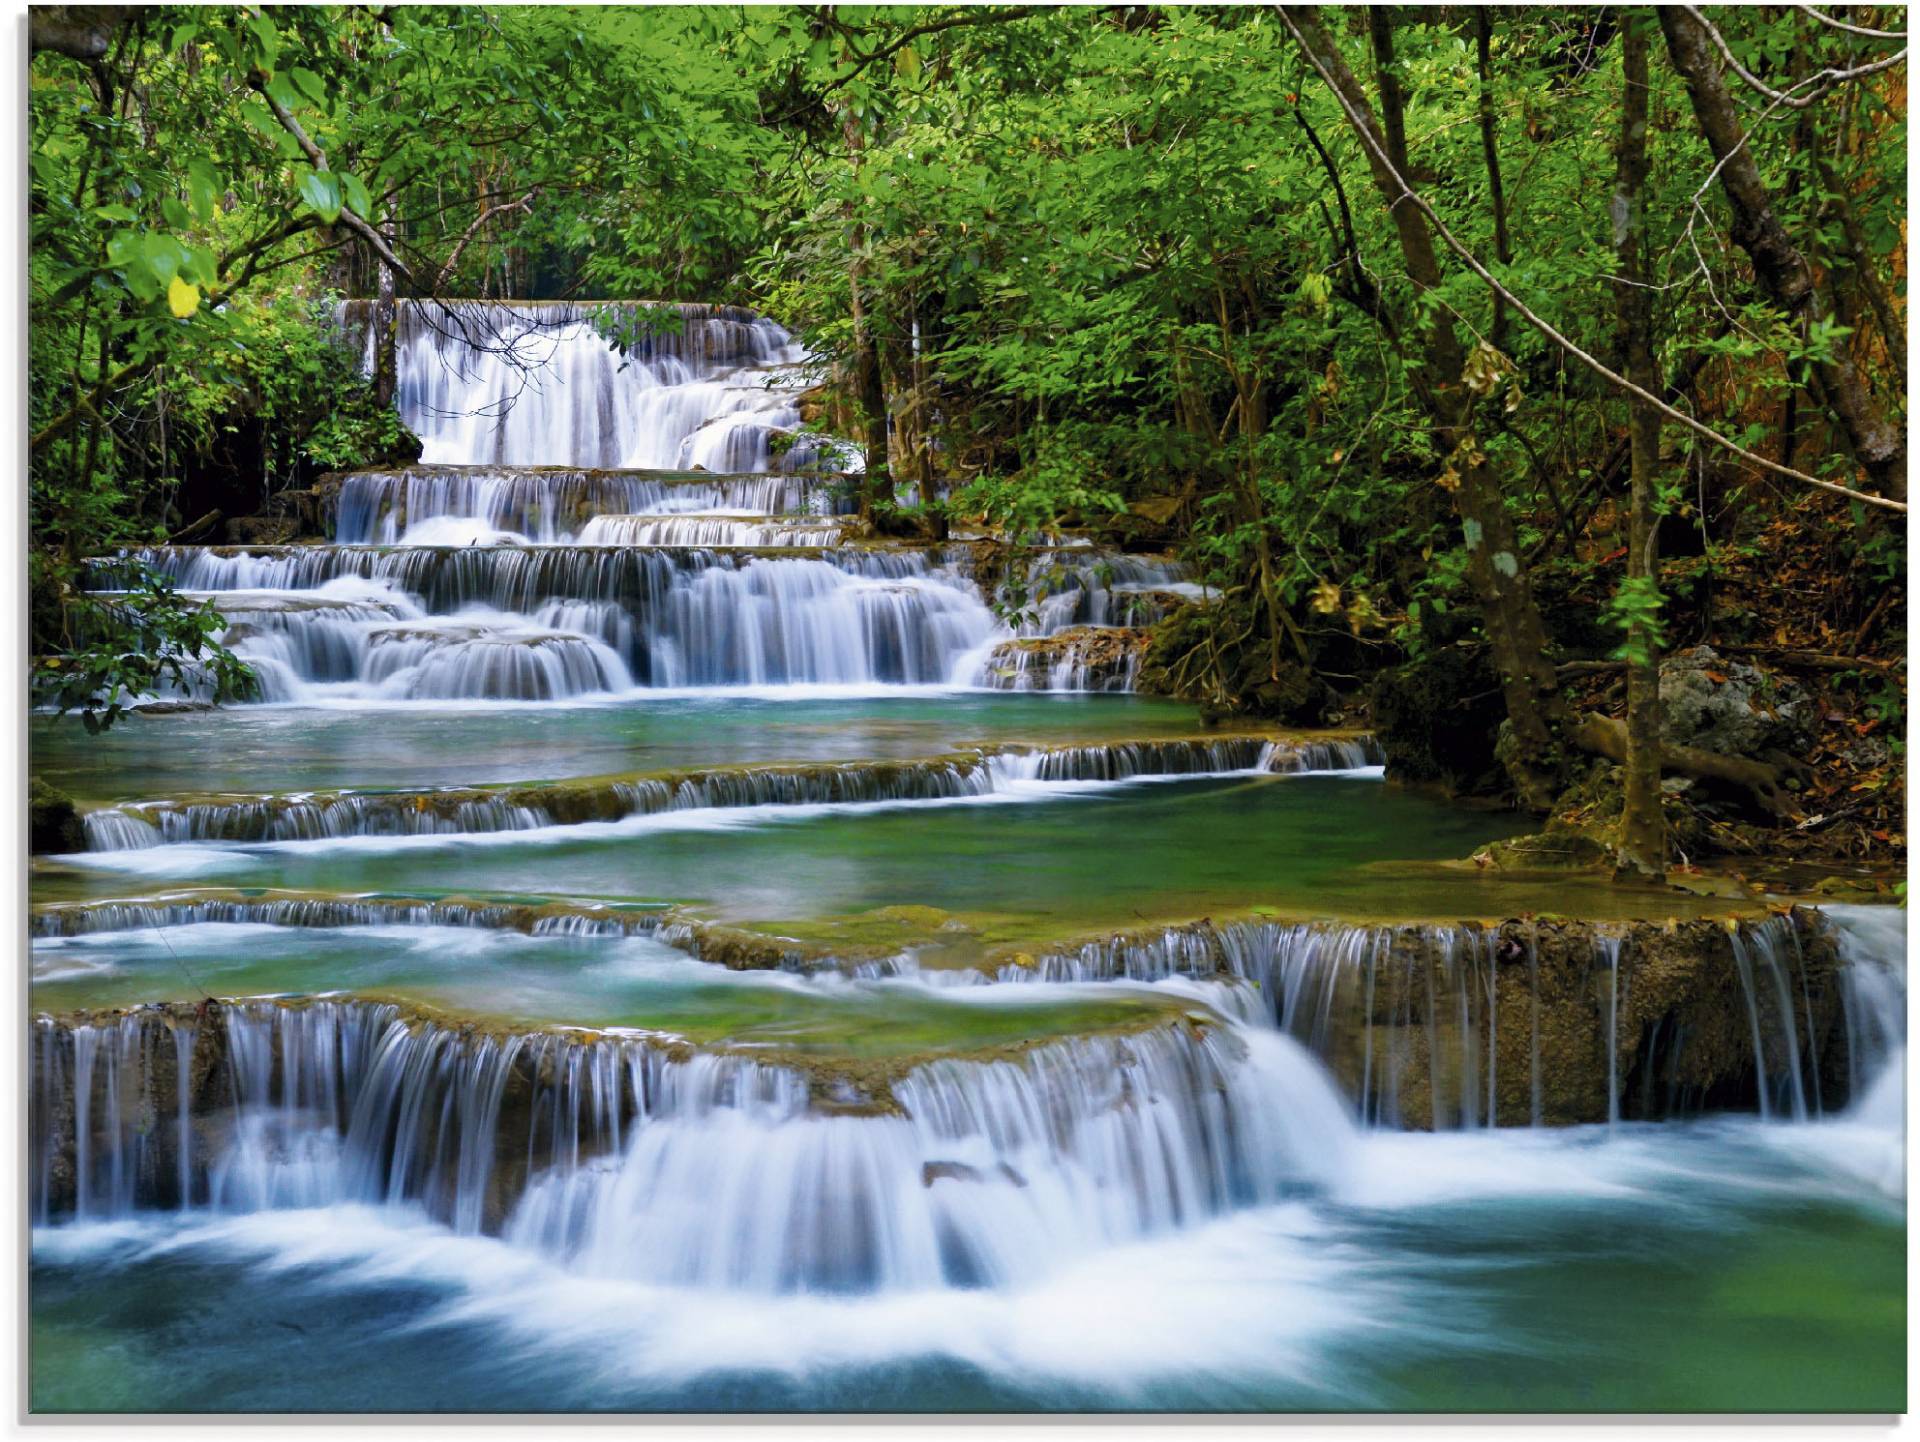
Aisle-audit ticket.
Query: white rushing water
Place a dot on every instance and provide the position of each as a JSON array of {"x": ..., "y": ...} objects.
[
  {"x": 711, "y": 387},
  {"x": 584, "y": 524},
  {"x": 625, "y": 1162}
]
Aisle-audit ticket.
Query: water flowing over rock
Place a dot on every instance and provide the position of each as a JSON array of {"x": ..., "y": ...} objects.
[
  {"x": 547, "y": 504},
  {"x": 1553, "y": 1022},
  {"x": 452, "y": 811},
  {"x": 530, "y": 384},
  {"x": 626, "y": 1157}
]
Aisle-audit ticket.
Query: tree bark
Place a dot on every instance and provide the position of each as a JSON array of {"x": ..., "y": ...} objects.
[
  {"x": 869, "y": 393},
  {"x": 386, "y": 322},
  {"x": 1604, "y": 736},
  {"x": 1490, "y": 149},
  {"x": 1642, "y": 848},
  {"x": 1879, "y": 445},
  {"x": 83, "y": 32},
  {"x": 1516, "y": 634}
]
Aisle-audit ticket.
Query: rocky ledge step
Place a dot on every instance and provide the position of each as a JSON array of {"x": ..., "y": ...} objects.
[
  {"x": 253, "y": 1104},
  {"x": 1538, "y": 1021},
  {"x": 1081, "y": 658},
  {"x": 459, "y": 811},
  {"x": 554, "y": 503}
]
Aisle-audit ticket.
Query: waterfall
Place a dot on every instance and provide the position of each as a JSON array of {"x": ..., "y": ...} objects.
[
  {"x": 624, "y": 1158},
  {"x": 1080, "y": 588},
  {"x": 526, "y": 384},
  {"x": 552, "y": 622},
  {"x": 454, "y": 811},
  {"x": 89, "y": 918},
  {"x": 553, "y": 504},
  {"x": 1409, "y": 1017}
]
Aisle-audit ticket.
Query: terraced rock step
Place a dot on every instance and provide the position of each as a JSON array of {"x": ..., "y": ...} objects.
[
  {"x": 654, "y": 530},
  {"x": 557, "y": 1140},
  {"x": 463, "y": 811},
  {"x": 553, "y": 503},
  {"x": 1085, "y": 658},
  {"x": 537, "y": 916},
  {"x": 1542, "y": 1022}
]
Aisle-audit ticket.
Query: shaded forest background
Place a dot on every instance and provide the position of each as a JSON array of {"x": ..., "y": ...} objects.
[{"x": 1528, "y": 383}]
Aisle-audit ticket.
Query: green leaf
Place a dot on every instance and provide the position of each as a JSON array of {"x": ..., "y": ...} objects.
[
  {"x": 281, "y": 89},
  {"x": 162, "y": 255},
  {"x": 356, "y": 194},
  {"x": 267, "y": 37},
  {"x": 202, "y": 189},
  {"x": 321, "y": 191},
  {"x": 309, "y": 84},
  {"x": 175, "y": 213},
  {"x": 260, "y": 118}
]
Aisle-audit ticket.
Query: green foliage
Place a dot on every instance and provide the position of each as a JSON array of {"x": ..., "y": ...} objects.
[
  {"x": 1635, "y": 609},
  {"x": 141, "y": 638},
  {"x": 1118, "y": 269}
]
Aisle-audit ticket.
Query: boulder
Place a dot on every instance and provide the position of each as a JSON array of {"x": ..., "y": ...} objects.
[
  {"x": 53, "y": 823},
  {"x": 1732, "y": 707}
]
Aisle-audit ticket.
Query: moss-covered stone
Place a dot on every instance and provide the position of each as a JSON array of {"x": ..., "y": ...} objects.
[
  {"x": 1437, "y": 720},
  {"x": 53, "y": 823}
]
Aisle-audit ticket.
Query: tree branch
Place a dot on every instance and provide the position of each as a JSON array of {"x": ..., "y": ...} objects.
[
  {"x": 524, "y": 203},
  {"x": 907, "y": 37},
  {"x": 1829, "y": 76},
  {"x": 375, "y": 241},
  {"x": 1419, "y": 202}
]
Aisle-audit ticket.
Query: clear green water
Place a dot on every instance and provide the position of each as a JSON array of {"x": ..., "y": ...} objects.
[
  {"x": 1113, "y": 856},
  {"x": 277, "y": 748},
  {"x": 1721, "y": 1266},
  {"x": 514, "y": 979}
]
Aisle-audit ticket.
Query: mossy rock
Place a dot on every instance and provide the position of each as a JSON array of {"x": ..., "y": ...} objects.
[
  {"x": 53, "y": 823},
  {"x": 1437, "y": 718}
]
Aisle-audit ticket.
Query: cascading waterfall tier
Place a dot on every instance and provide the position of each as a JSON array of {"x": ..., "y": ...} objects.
[
  {"x": 1543, "y": 1022},
  {"x": 571, "y": 620},
  {"x": 526, "y": 383},
  {"x": 554, "y": 918},
  {"x": 452, "y": 811},
  {"x": 1079, "y": 587},
  {"x": 549, "y": 504},
  {"x": 624, "y": 1156}
]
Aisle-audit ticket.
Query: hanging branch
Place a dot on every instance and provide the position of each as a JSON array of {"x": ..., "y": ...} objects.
[
  {"x": 524, "y": 203},
  {"x": 375, "y": 241},
  {"x": 1599, "y": 368},
  {"x": 1829, "y": 76}
]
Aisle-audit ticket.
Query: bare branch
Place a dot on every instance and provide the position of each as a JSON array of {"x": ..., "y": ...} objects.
[
  {"x": 1419, "y": 202},
  {"x": 1839, "y": 24},
  {"x": 1830, "y": 76},
  {"x": 524, "y": 203},
  {"x": 907, "y": 37}
]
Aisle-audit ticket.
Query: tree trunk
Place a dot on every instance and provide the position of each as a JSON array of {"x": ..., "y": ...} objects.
[
  {"x": 1490, "y": 150},
  {"x": 869, "y": 394},
  {"x": 386, "y": 322},
  {"x": 1642, "y": 849},
  {"x": 1878, "y": 445},
  {"x": 1515, "y": 633}
]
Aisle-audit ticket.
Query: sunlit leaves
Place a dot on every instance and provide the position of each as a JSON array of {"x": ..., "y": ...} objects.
[{"x": 183, "y": 297}]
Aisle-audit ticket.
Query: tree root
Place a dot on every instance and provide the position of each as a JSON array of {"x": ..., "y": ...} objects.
[{"x": 1604, "y": 736}]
